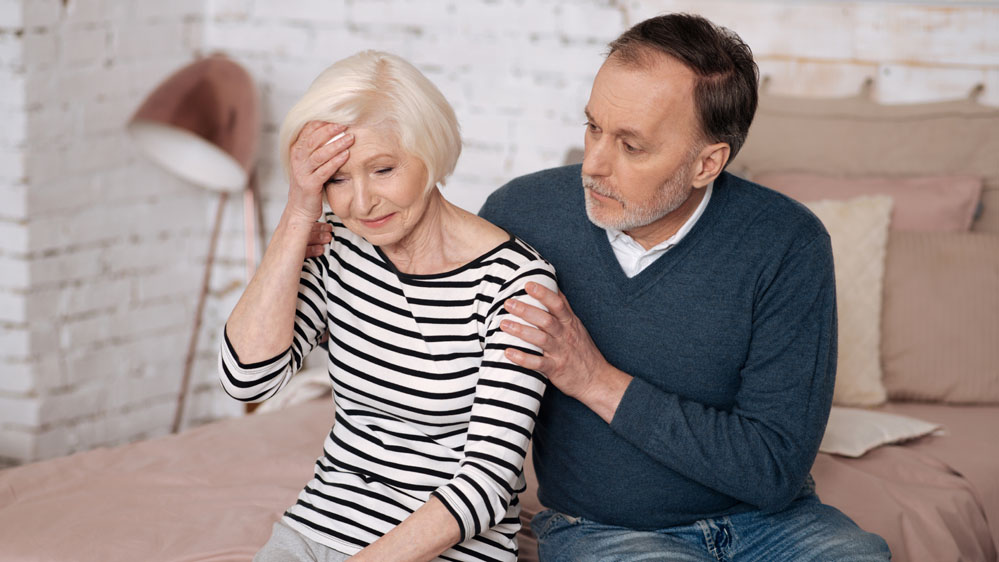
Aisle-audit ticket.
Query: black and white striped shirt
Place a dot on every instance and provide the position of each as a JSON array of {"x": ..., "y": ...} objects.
[{"x": 426, "y": 402}]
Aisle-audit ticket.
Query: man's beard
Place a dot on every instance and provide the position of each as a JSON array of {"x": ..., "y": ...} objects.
[{"x": 668, "y": 198}]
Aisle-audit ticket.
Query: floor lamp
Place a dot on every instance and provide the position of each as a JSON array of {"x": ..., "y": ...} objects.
[{"x": 203, "y": 124}]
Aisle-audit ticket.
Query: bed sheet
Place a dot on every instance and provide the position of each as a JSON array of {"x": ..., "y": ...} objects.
[
  {"x": 208, "y": 494},
  {"x": 933, "y": 500}
]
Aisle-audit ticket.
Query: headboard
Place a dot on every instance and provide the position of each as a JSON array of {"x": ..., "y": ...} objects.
[{"x": 858, "y": 137}]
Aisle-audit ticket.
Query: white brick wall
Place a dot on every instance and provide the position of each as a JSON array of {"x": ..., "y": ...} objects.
[{"x": 101, "y": 252}]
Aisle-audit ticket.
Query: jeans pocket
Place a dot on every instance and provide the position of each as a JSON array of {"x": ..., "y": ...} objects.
[{"x": 548, "y": 521}]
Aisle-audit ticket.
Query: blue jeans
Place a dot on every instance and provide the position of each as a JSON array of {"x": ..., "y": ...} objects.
[{"x": 807, "y": 530}]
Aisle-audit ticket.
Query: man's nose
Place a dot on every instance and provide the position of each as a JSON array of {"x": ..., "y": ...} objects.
[{"x": 596, "y": 158}]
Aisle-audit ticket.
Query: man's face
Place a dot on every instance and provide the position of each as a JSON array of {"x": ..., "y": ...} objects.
[{"x": 642, "y": 140}]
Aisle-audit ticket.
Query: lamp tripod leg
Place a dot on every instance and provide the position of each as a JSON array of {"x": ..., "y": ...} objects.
[{"x": 193, "y": 343}]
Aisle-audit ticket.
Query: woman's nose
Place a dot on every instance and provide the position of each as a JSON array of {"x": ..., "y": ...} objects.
[{"x": 362, "y": 201}]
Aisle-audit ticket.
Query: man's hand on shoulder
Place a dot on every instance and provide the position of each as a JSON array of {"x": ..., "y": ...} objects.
[
  {"x": 319, "y": 237},
  {"x": 569, "y": 359}
]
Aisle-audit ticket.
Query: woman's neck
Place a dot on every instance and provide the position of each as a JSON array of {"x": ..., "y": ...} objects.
[{"x": 431, "y": 246}]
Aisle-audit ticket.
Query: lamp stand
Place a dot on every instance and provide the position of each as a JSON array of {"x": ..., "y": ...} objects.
[{"x": 193, "y": 343}]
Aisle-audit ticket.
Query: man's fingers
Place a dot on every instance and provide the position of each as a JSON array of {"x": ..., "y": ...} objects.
[
  {"x": 532, "y": 315},
  {"x": 526, "y": 360},
  {"x": 553, "y": 301},
  {"x": 529, "y": 334}
]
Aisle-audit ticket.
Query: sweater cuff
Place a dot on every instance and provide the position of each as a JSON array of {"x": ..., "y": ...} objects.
[{"x": 635, "y": 411}]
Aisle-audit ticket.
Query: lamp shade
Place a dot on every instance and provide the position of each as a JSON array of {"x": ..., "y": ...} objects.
[{"x": 202, "y": 123}]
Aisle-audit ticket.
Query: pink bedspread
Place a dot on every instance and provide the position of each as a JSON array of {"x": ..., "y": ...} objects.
[
  {"x": 212, "y": 493},
  {"x": 933, "y": 500}
]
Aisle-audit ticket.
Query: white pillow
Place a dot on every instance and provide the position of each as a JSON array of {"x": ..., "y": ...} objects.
[
  {"x": 851, "y": 432},
  {"x": 858, "y": 228}
]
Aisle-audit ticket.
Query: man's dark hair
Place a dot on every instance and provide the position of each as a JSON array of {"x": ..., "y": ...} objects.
[{"x": 725, "y": 95}]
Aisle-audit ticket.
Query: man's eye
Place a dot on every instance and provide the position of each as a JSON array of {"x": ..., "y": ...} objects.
[
  {"x": 591, "y": 127},
  {"x": 630, "y": 148}
]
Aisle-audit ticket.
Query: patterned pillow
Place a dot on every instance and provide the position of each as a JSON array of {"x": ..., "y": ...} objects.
[{"x": 859, "y": 231}]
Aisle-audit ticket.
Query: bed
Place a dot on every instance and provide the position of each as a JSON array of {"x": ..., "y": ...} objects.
[{"x": 212, "y": 493}]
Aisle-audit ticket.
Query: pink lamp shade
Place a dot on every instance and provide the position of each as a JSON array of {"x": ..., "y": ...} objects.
[{"x": 202, "y": 123}]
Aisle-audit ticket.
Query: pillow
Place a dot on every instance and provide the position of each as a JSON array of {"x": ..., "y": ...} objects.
[
  {"x": 940, "y": 335},
  {"x": 925, "y": 203},
  {"x": 859, "y": 232},
  {"x": 851, "y": 432}
]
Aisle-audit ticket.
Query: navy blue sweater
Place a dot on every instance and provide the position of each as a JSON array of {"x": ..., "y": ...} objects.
[{"x": 731, "y": 338}]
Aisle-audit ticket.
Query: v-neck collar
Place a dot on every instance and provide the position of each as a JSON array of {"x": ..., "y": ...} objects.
[{"x": 631, "y": 287}]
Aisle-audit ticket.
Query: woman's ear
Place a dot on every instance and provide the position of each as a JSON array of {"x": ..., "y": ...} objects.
[{"x": 710, "y": 163}]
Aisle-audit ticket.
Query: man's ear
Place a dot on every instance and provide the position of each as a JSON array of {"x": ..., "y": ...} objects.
[{"x": 710, "y": 162}]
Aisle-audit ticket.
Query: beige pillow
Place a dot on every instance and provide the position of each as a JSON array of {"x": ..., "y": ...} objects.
[
  {"x": 859, "y": 231},
  {"x": 940, "y": 337},
  {"x": 851, "y": 432}
]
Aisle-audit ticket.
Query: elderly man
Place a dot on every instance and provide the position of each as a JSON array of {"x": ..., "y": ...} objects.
[{"x": 693, "y": 372}]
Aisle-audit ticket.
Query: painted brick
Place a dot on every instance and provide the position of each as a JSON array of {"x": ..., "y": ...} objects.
[
  {"x": 229, "y": 9},
  {"x": 905, "y": 84},
  {"x": 12, "y": 167},
  {"x": 41, "y": 48},
  {"x": 20, "y": 410},
  {"x": 95, "y": 11},
  {"x": 315, "y": 12},
  {"x": 13, "y": 344},
  {"x": 42, "y": 13},
  {"x": 13, "y": 95},
  {"x": 13, "y": 202},
  {"x": 814, "y": 79},
  {"x": 68, "y": 194},
  {"x": 85, "y": 44},
  {"x": 959, "y": 35},
  {"x": 13, "y": 237},
  {"x": 14, "y": 272},
  {"x": 173, "y": 10},
  {"x": 11, "y": 49},
  {"x": 132, "y": 43},
  {"x": 11, "y": 14},
  {"x": 17, "y": 375}
]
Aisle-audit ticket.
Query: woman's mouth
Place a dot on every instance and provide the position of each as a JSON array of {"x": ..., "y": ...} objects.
[{"x": 377, "y": 222}]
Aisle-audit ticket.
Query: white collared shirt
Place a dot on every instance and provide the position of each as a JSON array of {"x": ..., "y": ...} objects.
[{"x": 634, "y": 258}]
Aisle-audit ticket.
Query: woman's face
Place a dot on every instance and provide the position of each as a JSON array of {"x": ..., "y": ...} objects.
[{"x": 380, "y": 192}]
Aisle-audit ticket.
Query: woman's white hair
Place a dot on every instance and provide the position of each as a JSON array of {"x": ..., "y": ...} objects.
[{"x": 373, "y": 87}]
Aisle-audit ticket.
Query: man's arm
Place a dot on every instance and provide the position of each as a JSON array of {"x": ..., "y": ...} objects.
[{"x": 761, "y": 450}]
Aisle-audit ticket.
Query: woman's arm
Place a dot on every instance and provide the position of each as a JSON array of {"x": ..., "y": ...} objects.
[
  {"x": 424, "y": 535},
  {"x": 261, "y": 325}
]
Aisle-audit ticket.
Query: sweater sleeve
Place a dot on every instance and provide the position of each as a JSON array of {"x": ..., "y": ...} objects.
[
  {"x": 256, "y": 382},
  {"x": 760, "y": 451},
  {"x": 507, "y": 398}
]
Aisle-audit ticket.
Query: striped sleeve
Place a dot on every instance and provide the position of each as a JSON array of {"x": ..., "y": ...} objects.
[
  {"x": 256, "y": 382},
  {"x": 507, "y": 398}
]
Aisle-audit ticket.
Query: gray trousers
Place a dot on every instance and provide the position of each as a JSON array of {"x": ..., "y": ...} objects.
[{"x": 288, "y": 545}]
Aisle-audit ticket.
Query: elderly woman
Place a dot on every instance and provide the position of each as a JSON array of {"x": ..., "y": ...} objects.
[{"x": 425, "y": 457}]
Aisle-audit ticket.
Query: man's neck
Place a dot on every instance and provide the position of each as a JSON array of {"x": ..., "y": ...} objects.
[{"x": 656, "y": 232}]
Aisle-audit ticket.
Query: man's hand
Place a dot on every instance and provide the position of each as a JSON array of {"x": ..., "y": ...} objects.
[
  {"x": 569, "y": 359},
  {"x": 319, "y": 237}
]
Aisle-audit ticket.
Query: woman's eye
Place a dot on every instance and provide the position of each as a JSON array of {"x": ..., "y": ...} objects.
[
  {"x": 334, "y": 181},
  {"x": 383, "y": 170}
]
